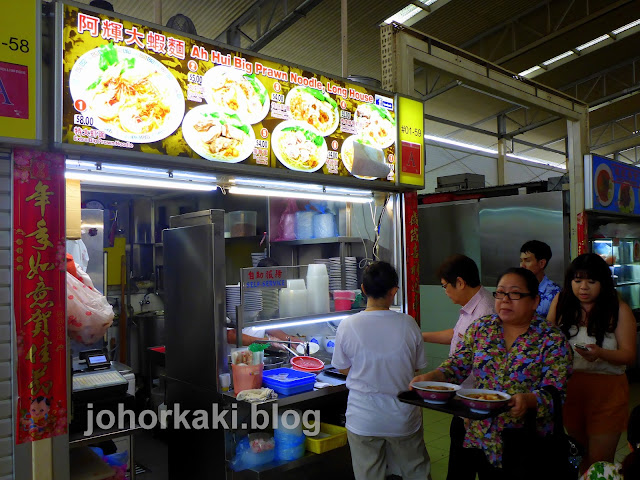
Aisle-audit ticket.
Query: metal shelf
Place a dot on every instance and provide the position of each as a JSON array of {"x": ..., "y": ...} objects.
[
  {"x": 328, "y": 316},
  {"x": 318, "y": 241},
  {"x": 332, "y": 458}
]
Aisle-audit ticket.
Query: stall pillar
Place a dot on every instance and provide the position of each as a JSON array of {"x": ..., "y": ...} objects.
[{"x": 577, "y": 148}]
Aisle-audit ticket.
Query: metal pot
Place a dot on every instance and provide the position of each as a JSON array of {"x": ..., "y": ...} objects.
[{"x": 274, "y": 361}]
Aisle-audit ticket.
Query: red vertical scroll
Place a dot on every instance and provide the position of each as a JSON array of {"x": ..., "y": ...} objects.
[
  {"x": 39, "y": 293},
  {"x": 412, "y": 259}
]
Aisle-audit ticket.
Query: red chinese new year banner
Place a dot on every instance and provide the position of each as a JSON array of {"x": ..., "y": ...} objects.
[
  {"x": 412, "y": 256},
  {"x": 39, "y": 294}
]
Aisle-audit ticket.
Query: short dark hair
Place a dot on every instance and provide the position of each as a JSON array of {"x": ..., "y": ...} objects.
[
  {"x": 540, "y": 250},
  {"x": 103, "y": 4},
  {"x": 527, "y": 275},
  {"x": 378, "y": 278},
  {"x": 267, "y": 262},
  {"x": 459, "y": 266}
]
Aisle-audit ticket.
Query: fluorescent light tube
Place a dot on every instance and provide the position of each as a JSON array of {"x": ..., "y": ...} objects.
[
  {"x": 536, "y": 160},
  {"x": 194, "y": 176},
  {"x": 559, "y": 57},
  {"x": 526, "y": 72},
  {"x": 274, "y": 183},
  {"x": 460, "y": 144},
  {"x": 300, "y": 322},
  {"x": 263, "y": 192},
  {"x": 626, "y": 27},
  {"x": 108, "y": 179},
  {"x": 602, "y": 38}
]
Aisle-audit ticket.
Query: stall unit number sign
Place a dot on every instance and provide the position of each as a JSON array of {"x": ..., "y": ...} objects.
[
  {"x": 18, "y": 30},
  {"x": 135, "y": 87}
]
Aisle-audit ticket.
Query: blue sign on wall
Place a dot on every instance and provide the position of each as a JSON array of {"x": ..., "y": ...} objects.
[{"x": 613, "y": 187}]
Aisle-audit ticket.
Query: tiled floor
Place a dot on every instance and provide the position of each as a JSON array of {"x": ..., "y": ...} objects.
[{"x": 436, "y": 436}]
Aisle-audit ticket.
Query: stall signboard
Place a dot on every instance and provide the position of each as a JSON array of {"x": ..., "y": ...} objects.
[
  {"x": 410, "y": 142},
  {"x": 130, "y": 86},
  {"x": 19, "y": 69},
  {"x": 611, "y": 186},
  {"x": 264, "y": 278},
  {"x": 39, "y": 294}
]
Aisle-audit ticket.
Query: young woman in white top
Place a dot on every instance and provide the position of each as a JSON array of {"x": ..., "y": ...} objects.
[{"x": 602, "y": 331}]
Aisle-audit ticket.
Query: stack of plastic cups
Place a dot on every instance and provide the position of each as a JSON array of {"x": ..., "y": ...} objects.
[
  {"x": 289, "y": 437},
  {"x": 318, "y": 288},
  {"x": 293, "y": 299},
  {"x": 304, "y": 225}
]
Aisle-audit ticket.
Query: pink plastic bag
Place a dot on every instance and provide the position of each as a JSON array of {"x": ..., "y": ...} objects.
[{"x": 89, "y": 315}]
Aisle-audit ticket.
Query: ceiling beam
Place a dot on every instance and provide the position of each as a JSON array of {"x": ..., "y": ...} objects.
[
  {"x": 617, "y": 145},
  {"x": 252, "y": 20}
]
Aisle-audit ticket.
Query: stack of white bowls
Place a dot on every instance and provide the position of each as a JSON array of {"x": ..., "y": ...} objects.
[
  {"x": 293, "y": 299},
  {"x": 256, "y": 257},
  {"x": 318, "y": 289},
  {"x": 252, "y": 302},
  {"x": 335, "y": 272}
]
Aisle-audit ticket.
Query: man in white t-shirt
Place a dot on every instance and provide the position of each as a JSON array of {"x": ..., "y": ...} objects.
[
  {"x": 379, "y": 350},
  {"x": 460, "y": 279}
]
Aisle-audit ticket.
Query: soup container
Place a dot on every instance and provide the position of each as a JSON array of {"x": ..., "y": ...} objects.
[
  {"x": 479, "y": 405},
  {"x": 433, "y": 392}
]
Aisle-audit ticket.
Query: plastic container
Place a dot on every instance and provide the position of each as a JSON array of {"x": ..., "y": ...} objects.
[
  {"x": 247, "y": 377},
  {"x": 289, "y": 446},
  {"x": 330, "y": 343},
  {"x": 242, "y": 223},
  {"x": 287, "y": 381},
  {"x": 343, "y": 299},
  {"x": 324, "y": 225},
  {"x": 330, "y": 437},
  {"x": 318, "y": 300},
  {"x": 319, "y": 339},
  {"x": 307, "y": 364},
  {"x": 304, "y": 225}
]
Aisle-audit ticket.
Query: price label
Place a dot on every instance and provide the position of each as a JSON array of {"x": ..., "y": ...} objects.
[
  {"x": 277, "y": 97},
  {"x": 83, "y": 120},
  {"x": 194, "y": 78}
]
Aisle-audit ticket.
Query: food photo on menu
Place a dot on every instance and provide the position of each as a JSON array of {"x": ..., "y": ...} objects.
[
  {"x": 316, "y": 108},
  {"x": 299, "y": 146},
  {"x": 130, "y": 95}
]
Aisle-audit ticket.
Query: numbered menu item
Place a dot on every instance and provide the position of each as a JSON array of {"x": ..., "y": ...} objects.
[
  {"x": 233, "y": 90},
  {"x": 299, "y": 146},
  {"x": 347, "y": 154},
  {"x": 129, "y": 95},
  {"x": 218, "y": 135},
  {"x": 314, "y": 107},
  {"x": 376, "y": 125}
]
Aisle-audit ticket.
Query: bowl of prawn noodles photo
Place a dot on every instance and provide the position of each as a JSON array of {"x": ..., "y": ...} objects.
[
  {"x": 314, "y": 107},
  {"x": 375, "y": 124},
  {"x": 217, "y": 135},
  {"x": 299, "y": 146},
  {"x": 480, "y": 400},
  {"x": 435, "y": 392},
  {"x": 129, "y": 95}
]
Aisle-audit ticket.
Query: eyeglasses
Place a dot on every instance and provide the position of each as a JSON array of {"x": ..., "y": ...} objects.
[
  {"x": 444, "y": 285},
  {"x": 512, "y": 295}
]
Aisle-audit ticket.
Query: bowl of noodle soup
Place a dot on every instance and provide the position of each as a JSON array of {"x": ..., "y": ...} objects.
[
  {"x": 480, "y": 400},
  {"x": 299, "y": 146}
]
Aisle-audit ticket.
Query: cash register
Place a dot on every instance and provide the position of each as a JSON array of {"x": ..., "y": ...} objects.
[{"x": 96, "y": 381}]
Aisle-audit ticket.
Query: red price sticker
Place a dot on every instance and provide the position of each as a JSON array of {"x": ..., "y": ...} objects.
[{"x": 80, "y": 105}]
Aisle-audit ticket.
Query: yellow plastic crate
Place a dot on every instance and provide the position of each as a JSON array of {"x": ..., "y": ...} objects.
[{"x": 337, "y": 438}]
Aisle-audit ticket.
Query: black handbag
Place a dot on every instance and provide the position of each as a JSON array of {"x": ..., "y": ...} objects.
[{"x": 555, "y": 456}]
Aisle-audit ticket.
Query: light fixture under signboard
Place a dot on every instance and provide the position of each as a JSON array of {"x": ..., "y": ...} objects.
[
  {"x": 364, "y": 197},
  {"x": 97, "y": 178}
]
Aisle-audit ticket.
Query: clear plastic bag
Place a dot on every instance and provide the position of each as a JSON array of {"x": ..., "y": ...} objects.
[
  {"x": 247, "y": 457},
  {"x": 89, "y": 315}
]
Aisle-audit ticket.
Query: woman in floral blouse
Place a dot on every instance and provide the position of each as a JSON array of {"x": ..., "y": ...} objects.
[{"x": 514, "y": 351}]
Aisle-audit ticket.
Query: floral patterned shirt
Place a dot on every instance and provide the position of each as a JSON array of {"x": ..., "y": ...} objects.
[
  {"x": 547, "y": 291},
  {"x": 603, "y": 471},
  {"x": 539, "y": 357}
]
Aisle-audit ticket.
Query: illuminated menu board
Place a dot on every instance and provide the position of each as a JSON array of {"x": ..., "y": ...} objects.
[{"x": 129, "y": 86}]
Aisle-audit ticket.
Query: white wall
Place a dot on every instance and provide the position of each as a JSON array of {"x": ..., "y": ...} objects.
[{"x": 440, "y": 162}]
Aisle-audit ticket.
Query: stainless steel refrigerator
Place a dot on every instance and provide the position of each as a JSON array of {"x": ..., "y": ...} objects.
[{"x": 196, "y": 347}]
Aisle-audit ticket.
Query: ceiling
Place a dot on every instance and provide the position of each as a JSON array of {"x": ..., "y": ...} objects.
[{"x": 514, "y": 34}]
